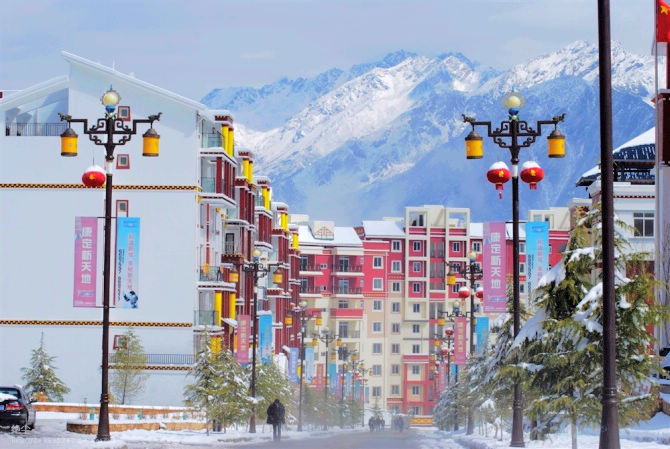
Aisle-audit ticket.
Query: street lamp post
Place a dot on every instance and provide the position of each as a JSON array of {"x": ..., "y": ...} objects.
[
  {"x": 358, "y": 368},
  {"x": 515, "y": 129},
  {"x": 109, "y": 126},
  {"x": 327, "y": 337},
  {"x": 257, "y": 269},
  {"x": 448, "y": 354},
  {"x": 301, "y": 313},
  {"x": 344, "y": 354}
]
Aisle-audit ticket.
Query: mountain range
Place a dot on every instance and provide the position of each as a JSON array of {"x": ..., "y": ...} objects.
[{"x": 366, "y": 142}]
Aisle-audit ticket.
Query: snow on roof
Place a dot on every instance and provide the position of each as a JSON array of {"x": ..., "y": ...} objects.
[
  {"x": 476, "y": 229},
  {"x": 382, "y": 228},
  {"x": 646, "y": 138},
  {"x": 343, "y": 236},
  {"x": 229, "y": 321},
  {"x": 509, "y": 229}
]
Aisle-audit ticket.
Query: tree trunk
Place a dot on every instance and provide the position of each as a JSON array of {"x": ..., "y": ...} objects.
[{"x": 573, "y": 431}]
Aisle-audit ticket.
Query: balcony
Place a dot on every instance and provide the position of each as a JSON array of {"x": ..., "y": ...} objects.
[
  {"x": 307, "y": 268},
  {"x": 208, "y": 185},
  {"x": 347, "y": 291},
  {"x": 346, "y": 313},
  {"x": 347, "y": 270},
  {"x": 210, "y": 140},
  {"x": 204, "y": 317},
  {"x": 35, "y": 129},
  {"x": 161, "y": 359},
  {"x": 348, "y": 334},
  {"x": 310, "y": 290}
]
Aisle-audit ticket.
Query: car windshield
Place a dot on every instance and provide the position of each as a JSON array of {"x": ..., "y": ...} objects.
[{"x": 8, "y": 393}]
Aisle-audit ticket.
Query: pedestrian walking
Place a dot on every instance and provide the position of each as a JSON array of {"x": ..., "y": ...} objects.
[
  {"x": 276, "y": 414},
  {"x": 371, "y": 423}
]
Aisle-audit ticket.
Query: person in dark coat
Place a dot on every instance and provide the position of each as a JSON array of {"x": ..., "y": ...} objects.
[{"x": 276, "y": 414}]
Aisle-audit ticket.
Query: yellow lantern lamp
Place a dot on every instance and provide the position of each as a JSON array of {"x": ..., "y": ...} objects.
[
  {"x": 277, "y": 277},
  {"x": 437, "y": 342},
  {"x": 474, "y": 145},
  {"x": 315, "y": 342},
  {"x": 288, "y": 320},
  {"x": 333, "y": 356},
  {"x": 338, "y": 342},
  {"x": 319, "y": 321},
  {"x": 441, "y": 321},
  {"x": 68, "y": 143},
  {"x": 432, "y": 357},
  {"x": 451, "y": 278},
  {"x": 233, "y": 276},
  {"x": 354, "y": 356},
  {"x": 556, "y": 144},
  {"x": 150, "y": 143}
]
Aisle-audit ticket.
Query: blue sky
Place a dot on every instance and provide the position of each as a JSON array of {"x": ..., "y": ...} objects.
[{"x": 191, "y": 47}]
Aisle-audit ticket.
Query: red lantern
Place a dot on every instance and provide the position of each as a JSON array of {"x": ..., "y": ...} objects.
[
  {"x": 479, "y": 293},
  {"x": 444, "y": 351},
  {"x": 449, "y": 332},
  {"x": 463, "y": 292},
  {"x": 531, "y": 173},
  {"x": 498, "y": 174},
  {"x": 94, "y": 176}
]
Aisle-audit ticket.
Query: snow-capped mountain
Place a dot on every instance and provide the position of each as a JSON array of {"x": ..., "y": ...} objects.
[{"x": 364, "y": 143}]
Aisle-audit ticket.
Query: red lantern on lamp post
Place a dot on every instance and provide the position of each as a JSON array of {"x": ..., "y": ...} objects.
[
  {"x": 463, "y": 292},
  {"x": 479, "y": 293},
  {"x": 94, "y": 176},
  {"x": 498, "y": 174},
  {"x": 531, "y": 173}
]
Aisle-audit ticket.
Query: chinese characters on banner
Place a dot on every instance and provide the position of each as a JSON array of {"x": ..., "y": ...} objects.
[
  {"x": 347, "y": 385},
  {"x": 442, "y": 376},
  {"x": 265, "y": 337},
  {"x": 332, "y": 377},
  {"x": 495, "y": 268},
  {"x": 85, "y": 258},
  {"x": 319, "y": 377},
  {"x": 482, "y": 331},
  {"x": 537, "y": 254},
  {"x": 293, "y": 357},
  {"x": 127, "y": 262},
  {"x": 309, "y": 364},
  {"x": 459, "y": 340},
  {"x": 243, "y": 332}
]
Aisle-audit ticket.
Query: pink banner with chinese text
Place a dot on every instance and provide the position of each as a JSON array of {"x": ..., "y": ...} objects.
[
  {"x": 442, "y": 376},
  {"x": 243, "y": 332},
  {"x": 319, "y": 377},
  {"x": 85, "y": 257},
  {"x": 495, "y": 268},
  {"x": 459, "y": 340}
]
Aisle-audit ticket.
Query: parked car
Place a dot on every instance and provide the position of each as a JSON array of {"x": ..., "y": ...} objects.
[{"x": 16, "y": 408}]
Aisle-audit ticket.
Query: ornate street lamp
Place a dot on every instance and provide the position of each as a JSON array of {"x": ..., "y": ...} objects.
[
  {"x": 300, "y": 312},
  {"x": 109, "y": 126},
  {"x": 515, "y": 134},
  {"x": 327, "y": 337},
  {"x": 257, "y": 268}
]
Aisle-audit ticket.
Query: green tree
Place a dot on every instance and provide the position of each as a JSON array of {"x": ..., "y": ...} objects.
[
  {"x": 41, "y": 378},
  {"x": 271, "y": 384},
  {"x": 128, "y": 377}
]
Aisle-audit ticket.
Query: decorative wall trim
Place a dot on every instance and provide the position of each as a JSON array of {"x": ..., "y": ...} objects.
[
  {"x": 154, "y": 367},
  {"x": 92, "y": 323},
  {"x": 82, "y": 186}
]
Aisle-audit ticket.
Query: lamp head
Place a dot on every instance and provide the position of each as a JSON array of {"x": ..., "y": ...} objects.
[
  {"x": 473, "y": 256},
  {"x": 513, "y": 101},
  {"x": 110, "y": 99},
  {"x": 256, "y": 255},
  {"x": 303, "y": 303}
]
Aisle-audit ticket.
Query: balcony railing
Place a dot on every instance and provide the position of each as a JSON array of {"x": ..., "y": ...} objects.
[
  {"x": 232, "y": 248},
  {"x": 307, "y": 267},
  {"x": 159, "y": 359},
  {"x": 348, "y": 291},
  {"x": 208, "y": 184},
  {"x": 346, "y": 313},
  {"x": 347, "y": 268},
  {"x": 34, "y": 129},
  {"x": 349, "y": 334},
  {"x": 211, "y": 140},
  {"x": 213, "y": 273},
  {"x": 204, "y": 317},
  {"x": 312, "y": 290}
]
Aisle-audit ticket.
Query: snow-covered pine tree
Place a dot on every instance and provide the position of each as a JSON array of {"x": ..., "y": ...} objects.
[
  {"x": 41, "y": 379},
  {"x": 271, "y": 384},
  {"x": 563, "y": 341},
  {"x": 232, "y": 400},
  {"x": 202, "y": 394},
  {"x": 128, "y": 376}
]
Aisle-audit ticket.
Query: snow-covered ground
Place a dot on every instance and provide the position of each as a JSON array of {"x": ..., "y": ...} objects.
[
  {"x": 50, "y": 433},
  {"x": 652, "y": 434}
]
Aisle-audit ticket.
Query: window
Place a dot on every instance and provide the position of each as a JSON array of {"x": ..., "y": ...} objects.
[
  {"x": 395, "y": 286},
  {"x": 416, "y": 267},
  {"x": 415, "y": 219},
  {"x": 414, "y": 410},
  {"x": 376, "y": 348},
  {"x": 377, "y": 284},
  {"x": 416, "y": 349},
  {"x": 416, "y": 328},
  {"x": 377, "y": 262},
  {"x": 395, "y": 369},
  {"x": 395, "y": 246},
  {"x": 121, "y": 208},
  {"x": 416, "y": 245},
  {"x": 455, "y": 287},
  {"x": 395, "y": 389},
  {"x": 376, "y": 304},
  {"x": 122, "y": 162},
  {"x": 376, "y": 370},
  {"x": 522, "y": 287},
  {"x": 395, "y": 307},
  {"x": 416, "y": 370},
  {"x": 522, "y": 247},
  {"x": 416, "y": 308},
  {"x": 643, "y": 222},
  {"x": 456, "y": 247},
  {"x": 415, "y": 390},
  {"x": 416, "y": 287},
  {"x": 395, "y": 266},
  {"x": 395, "y": 328},
  {"x": 522, "y": 267},
  {"x": 395, "y": 348},
  {"x": 376, "y": 392},
  {"x": 477, "y": 247},
  {"x": 377, "y": 326}
]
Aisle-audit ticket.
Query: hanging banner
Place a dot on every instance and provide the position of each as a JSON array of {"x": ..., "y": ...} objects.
[
  {"x": 85, "y": 258},
  {"x": 459, "y": 340},
  {"x": 537, "y": 254},
  {"x": 319, "y": 377},
  {"x": 265, "y": 337},
  {"x": 293, "y": 357},
  {"x": 127, "y": 262},
  {"x": 495, "y": 268},
  {"x": 347, "y": 385},
  {"x": 442, "y": 376},
  {"x": 243, "y": 332},
  {"x": 482, "y": 331},
  {"x": 332, "y": 376},
  {"x": 309, "y": 364}
]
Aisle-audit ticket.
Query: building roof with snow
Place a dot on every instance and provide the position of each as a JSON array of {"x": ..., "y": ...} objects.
[{"x": 382, "y": 228}]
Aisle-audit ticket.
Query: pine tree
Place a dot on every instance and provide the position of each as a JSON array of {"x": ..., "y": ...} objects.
[
  {"x": 40, "y": 377},
  {"x": 271, "y": 384},
  {"x": 562, "y": 342},
  {"x": 201, "y": 395},
  {"x": 128, "y": 377}
]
